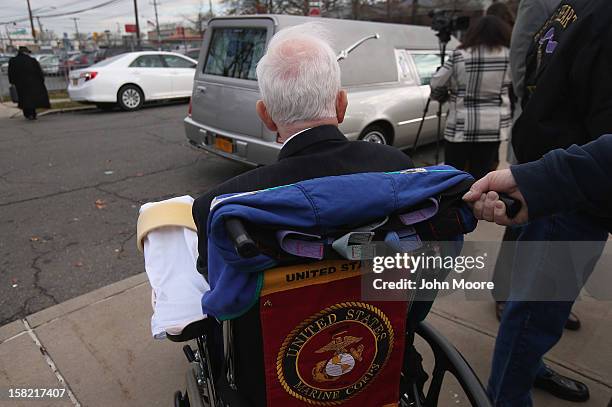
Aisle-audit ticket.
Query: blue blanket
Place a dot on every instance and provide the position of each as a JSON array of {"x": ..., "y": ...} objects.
[{"x": 319, "y": 204}]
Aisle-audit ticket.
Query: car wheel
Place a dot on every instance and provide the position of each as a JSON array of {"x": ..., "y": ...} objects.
[
  {"x": 375, "y": 134},
  {"x": 130, "y": 97},
  {"x": 107, "y": 107}
]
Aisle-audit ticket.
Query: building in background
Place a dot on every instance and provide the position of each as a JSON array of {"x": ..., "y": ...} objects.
[{"x": 174, "y": 36}]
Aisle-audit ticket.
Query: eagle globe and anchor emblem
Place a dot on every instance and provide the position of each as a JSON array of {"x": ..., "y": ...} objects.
[
  {"x": 335, "y": 354},
  {"x": 342, "y": 362}
]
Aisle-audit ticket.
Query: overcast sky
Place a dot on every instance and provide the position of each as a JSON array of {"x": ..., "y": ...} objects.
[{"x": 104, "y": 18}]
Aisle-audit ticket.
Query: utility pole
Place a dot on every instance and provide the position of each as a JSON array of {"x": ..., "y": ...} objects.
[
  {"x": 40, "y": 30},
  {"x": 137, "y": 24},
  {"x": 32, "y": 22},
  {"x": 76, "y": 29},
  {"x": 157, "y": 22},
  {"x": 8, "y": 35}
]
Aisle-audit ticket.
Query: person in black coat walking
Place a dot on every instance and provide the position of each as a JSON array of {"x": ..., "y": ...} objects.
[{"x": 27, "y": 76}]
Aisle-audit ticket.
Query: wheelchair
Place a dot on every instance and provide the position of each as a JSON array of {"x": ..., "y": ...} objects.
[{"x": 322, "y": 345}]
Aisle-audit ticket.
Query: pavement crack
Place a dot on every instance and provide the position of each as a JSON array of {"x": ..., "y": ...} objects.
[
  {"x": 37, "y": 270},
  {"x": 101, "y": 184},
  {"x": 117, "y": 195},
  {"x": 20, "y": 313},
  {"x": 4, "y": 177},
  {"x": 123, "y": 243},
  {"x": 161, "y": 140}
]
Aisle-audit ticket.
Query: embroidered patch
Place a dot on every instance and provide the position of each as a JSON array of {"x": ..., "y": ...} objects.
[
  {"x": 551, "y": 45},
  {"x": 335, "y": 354}
]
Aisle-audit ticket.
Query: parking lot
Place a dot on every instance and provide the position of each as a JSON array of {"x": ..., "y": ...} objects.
[{"x": 70, "y": 189}]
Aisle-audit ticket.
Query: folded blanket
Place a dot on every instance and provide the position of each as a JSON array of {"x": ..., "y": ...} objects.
[{"x": 316, "y": 206}]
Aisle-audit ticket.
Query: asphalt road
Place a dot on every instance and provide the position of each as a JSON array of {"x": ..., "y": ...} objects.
[{"x": 70, "y": 189}]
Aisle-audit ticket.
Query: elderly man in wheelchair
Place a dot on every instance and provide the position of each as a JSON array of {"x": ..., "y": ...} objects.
[{"x": 276, "y": 301}]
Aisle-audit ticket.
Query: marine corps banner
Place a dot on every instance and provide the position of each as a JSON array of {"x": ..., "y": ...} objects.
[{"x": 323, "y": 345}]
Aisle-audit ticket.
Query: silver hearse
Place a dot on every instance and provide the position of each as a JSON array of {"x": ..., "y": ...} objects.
[{"x": 385, "y": 68}]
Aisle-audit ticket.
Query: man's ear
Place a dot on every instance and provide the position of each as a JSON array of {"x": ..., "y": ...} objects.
[
  {"x": 341, "y": 105},
  {"x": 263, "y": 114}
]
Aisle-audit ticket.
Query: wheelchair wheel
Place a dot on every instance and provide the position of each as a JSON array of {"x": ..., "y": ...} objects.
[
  {"x": 193, "y": 389},
  {"x": 448, "y": 359},
  {"x": 180, "y": 400}
]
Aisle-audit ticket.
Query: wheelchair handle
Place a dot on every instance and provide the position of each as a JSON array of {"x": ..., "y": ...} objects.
[
  {"x": 513, "y": 206},
  {"x": 244, "y": 245}
]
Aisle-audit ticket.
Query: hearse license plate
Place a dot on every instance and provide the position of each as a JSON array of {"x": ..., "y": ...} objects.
[
  {"x": 224, "y": 144},
  {"x": 75, "y": 81}
]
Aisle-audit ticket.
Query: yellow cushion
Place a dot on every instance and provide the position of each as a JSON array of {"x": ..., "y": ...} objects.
[{"x": 163, "y": 214}]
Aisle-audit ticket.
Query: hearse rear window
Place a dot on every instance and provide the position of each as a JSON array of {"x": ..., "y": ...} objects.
[{"x": 234, "y": 52}]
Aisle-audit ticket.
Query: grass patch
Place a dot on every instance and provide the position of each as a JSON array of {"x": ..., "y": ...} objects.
[
  {"x": 65, "y": 105},
  {"x": 58, "y": 94}
]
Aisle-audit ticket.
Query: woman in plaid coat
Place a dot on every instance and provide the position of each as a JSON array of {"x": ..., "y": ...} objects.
[{"x": 478, "y": 77}]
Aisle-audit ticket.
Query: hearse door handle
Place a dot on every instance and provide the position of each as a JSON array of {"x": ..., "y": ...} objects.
[{"x": 201, "y": 89}]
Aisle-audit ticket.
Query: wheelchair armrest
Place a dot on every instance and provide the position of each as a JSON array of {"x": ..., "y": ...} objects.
[
  {"x": 448, "y": 359},
  {"x": 192, "y": 331}
]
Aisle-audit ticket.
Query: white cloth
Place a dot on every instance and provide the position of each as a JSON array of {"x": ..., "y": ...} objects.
[{"x": 170, "y": 262}]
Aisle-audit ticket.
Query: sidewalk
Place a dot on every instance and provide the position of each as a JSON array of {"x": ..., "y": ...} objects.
[
  {"x": 99, "y": 347},
  {"x": 8, "y": 109}
]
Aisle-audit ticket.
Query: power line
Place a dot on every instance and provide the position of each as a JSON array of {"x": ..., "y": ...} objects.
[{"x": 67, "y": 13}]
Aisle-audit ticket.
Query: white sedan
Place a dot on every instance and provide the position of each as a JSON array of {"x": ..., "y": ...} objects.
[{"x": 132, "y": 78}]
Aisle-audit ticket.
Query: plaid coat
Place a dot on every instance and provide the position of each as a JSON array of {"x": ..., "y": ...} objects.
[{"x": 479, "y": 82}]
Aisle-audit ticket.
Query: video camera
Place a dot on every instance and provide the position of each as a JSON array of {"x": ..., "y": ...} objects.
[{"x": 445, "y": 22}]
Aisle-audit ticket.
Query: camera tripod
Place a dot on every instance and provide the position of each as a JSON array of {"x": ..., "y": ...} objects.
[{"x": 444, "y": 37}]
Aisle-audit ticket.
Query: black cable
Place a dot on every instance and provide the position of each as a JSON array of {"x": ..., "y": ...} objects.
[{"x": 63, "y": 14}]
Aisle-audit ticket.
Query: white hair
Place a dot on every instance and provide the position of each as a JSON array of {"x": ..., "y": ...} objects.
[{"x": 299, "y": 76}]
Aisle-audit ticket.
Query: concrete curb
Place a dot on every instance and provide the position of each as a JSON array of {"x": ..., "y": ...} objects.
[
  {"x": 74, "y": 304},
  {"x": 57, "y": 311},
  {"x": 66, "y": 110},
  {"x": 54, "y": 111}
]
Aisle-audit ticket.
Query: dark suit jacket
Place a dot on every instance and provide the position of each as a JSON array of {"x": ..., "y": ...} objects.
[{"x": 317, "y": 152}]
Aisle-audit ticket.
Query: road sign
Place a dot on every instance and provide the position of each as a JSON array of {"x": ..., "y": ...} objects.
[{"x": 130, "y": 28}]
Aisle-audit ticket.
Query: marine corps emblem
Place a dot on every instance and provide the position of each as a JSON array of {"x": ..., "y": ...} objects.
[{"x": 333, "y": 355}]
